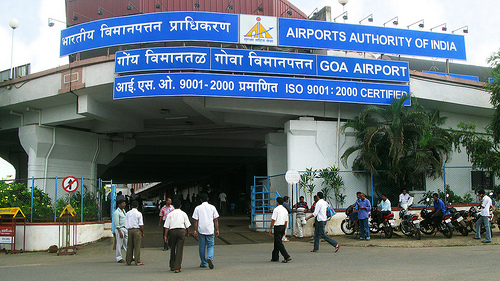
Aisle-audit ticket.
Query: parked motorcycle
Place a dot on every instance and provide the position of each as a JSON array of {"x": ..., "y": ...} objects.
[
  {"x": 349, "y": 227},
  {"x": 458, "y": 221},
  {"x": 381, "y": 221},
  {"x": 427, "y": 224},
  {"x": 474, "y": 215},
  {"x": 410, "y": 224}
]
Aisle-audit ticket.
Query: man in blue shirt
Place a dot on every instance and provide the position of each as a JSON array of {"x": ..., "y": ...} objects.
[
  {"x": 364, "y": 208},
  {"x": 353, "y": 216},
  {"x": 439, "y": 211}
]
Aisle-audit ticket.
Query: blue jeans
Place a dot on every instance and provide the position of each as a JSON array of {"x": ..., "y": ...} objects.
[
  {"x": 364, "y": 229},
  {"x": 206, "y": 242},
  {"x": 319, "y": 232},
  {"x": 483, "y": 220}
]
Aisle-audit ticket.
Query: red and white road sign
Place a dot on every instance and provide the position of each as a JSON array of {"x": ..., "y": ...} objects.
[{"x": 70, "y": 184}]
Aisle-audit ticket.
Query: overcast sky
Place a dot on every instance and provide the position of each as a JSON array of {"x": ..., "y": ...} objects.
[{"x": 38, "y": 44}]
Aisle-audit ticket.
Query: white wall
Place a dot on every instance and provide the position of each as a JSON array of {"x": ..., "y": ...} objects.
[
  {"x": 39, "y": 237},
  {"x": 277, "y": 162}
]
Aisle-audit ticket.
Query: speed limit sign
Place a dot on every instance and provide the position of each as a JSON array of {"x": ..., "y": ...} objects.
[{"x": 70, "y": 184}]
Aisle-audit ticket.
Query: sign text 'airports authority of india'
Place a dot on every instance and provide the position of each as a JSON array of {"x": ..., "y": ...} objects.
[{"x": 259, "y": 30}]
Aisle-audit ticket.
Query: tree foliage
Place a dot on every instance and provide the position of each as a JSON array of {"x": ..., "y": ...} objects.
[
  {"x": 332, "y": 181},
  {"x": 483, "y": 148},
  {"x": 494, "y": 89},
  {"x": 404, "y": 141}
]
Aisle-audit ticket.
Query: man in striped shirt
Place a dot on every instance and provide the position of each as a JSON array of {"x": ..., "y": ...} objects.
[{"x": 300, "y": 217}]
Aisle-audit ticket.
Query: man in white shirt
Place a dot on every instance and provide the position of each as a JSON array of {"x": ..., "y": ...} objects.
[
  {"x": 385, "y": 204},
  {"x": 279, "y": 220},
  {"x": 135, "y": 226},
  {"x": 405, "y": 200},
  {"x": 176, "y": 230},
  {"x": 121, "y": 233},
  {"x": 206, "y": 228},
  {"x": 223, "y": 203},
  {"x": 319, "y": 232},
  {"x": 484, "y": 218}
]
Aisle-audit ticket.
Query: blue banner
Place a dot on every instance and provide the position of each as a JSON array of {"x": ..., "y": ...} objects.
[
  {"x": 236, "y": 60},
  {"x": 247, "y": 29},
  {"x": 261, "y": 87},
  {"x": 354, "y": 37},
  {"x": 153, "y": 27}
]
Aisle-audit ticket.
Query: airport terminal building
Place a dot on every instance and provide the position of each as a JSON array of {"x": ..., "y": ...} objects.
[{"x": 205, "y": 95}]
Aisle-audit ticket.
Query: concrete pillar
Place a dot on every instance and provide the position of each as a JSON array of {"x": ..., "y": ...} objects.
[
  {"x": 277, "y": 161},
  {"x": 311, "y": 144},
  {"x": 57, "y": 152}
]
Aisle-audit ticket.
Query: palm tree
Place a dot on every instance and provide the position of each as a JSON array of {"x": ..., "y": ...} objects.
[{"x": 405, "y": 142}]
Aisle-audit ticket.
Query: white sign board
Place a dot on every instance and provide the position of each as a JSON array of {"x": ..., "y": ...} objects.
[
  {"x": 6, "y": 240},
  {"x": 292, "y": 176}
]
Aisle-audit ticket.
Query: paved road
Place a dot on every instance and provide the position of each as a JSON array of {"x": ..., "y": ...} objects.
[
  {"x": 397, "y": 258},
  {"x": 242, "y": 254},
  {"x": 233, "y": 231}
]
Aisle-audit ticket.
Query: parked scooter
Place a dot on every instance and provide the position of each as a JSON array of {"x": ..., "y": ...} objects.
[
  {"x": 427, "y": 224},
  {"x": 458, "y": 221},
  {"x": 410, "y": 224},
  {"x": 381, "y": 221}
]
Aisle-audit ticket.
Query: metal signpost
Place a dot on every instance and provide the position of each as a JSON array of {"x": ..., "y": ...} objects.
[
  {"x": 9, "y": 218},
  {"x": 67, "y": 234}
]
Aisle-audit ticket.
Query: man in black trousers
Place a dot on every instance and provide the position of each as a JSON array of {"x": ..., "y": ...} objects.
[
  {"x": 279, "y": 220},
  {"x": 176, "y": 231}
]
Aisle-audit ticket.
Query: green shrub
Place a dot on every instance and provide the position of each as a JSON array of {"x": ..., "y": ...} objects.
[
  {"x": 90, "y": 206},
  {"x": 15, "y": 194}
]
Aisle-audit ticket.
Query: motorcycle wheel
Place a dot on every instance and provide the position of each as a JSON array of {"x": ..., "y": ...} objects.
[
  {"x": 405, "y": 228},
  {"x": 345, "y": 228},
  {"x": 388, "y": 230},
  {"x": 470, "y": 226},
  {"x": 427, "y": 229},
  {"x": 463, "y": 231},
  {"x": 418, "y": 234},
  {"x": 373, "y": 228},
  {"x": 448, "y": 231}
]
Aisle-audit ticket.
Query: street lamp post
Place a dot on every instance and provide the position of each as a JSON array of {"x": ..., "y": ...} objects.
[{"x": 13, "y": 23}]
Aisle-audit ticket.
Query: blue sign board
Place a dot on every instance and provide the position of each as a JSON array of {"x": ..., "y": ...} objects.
[
  {"x": 340, "y": 36},
  {"x": 237, "y": 60},
  {"x": 231, "y": 28},
  {"x": 260, "y": 87},
  {"x": 153, "y": 27}
]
